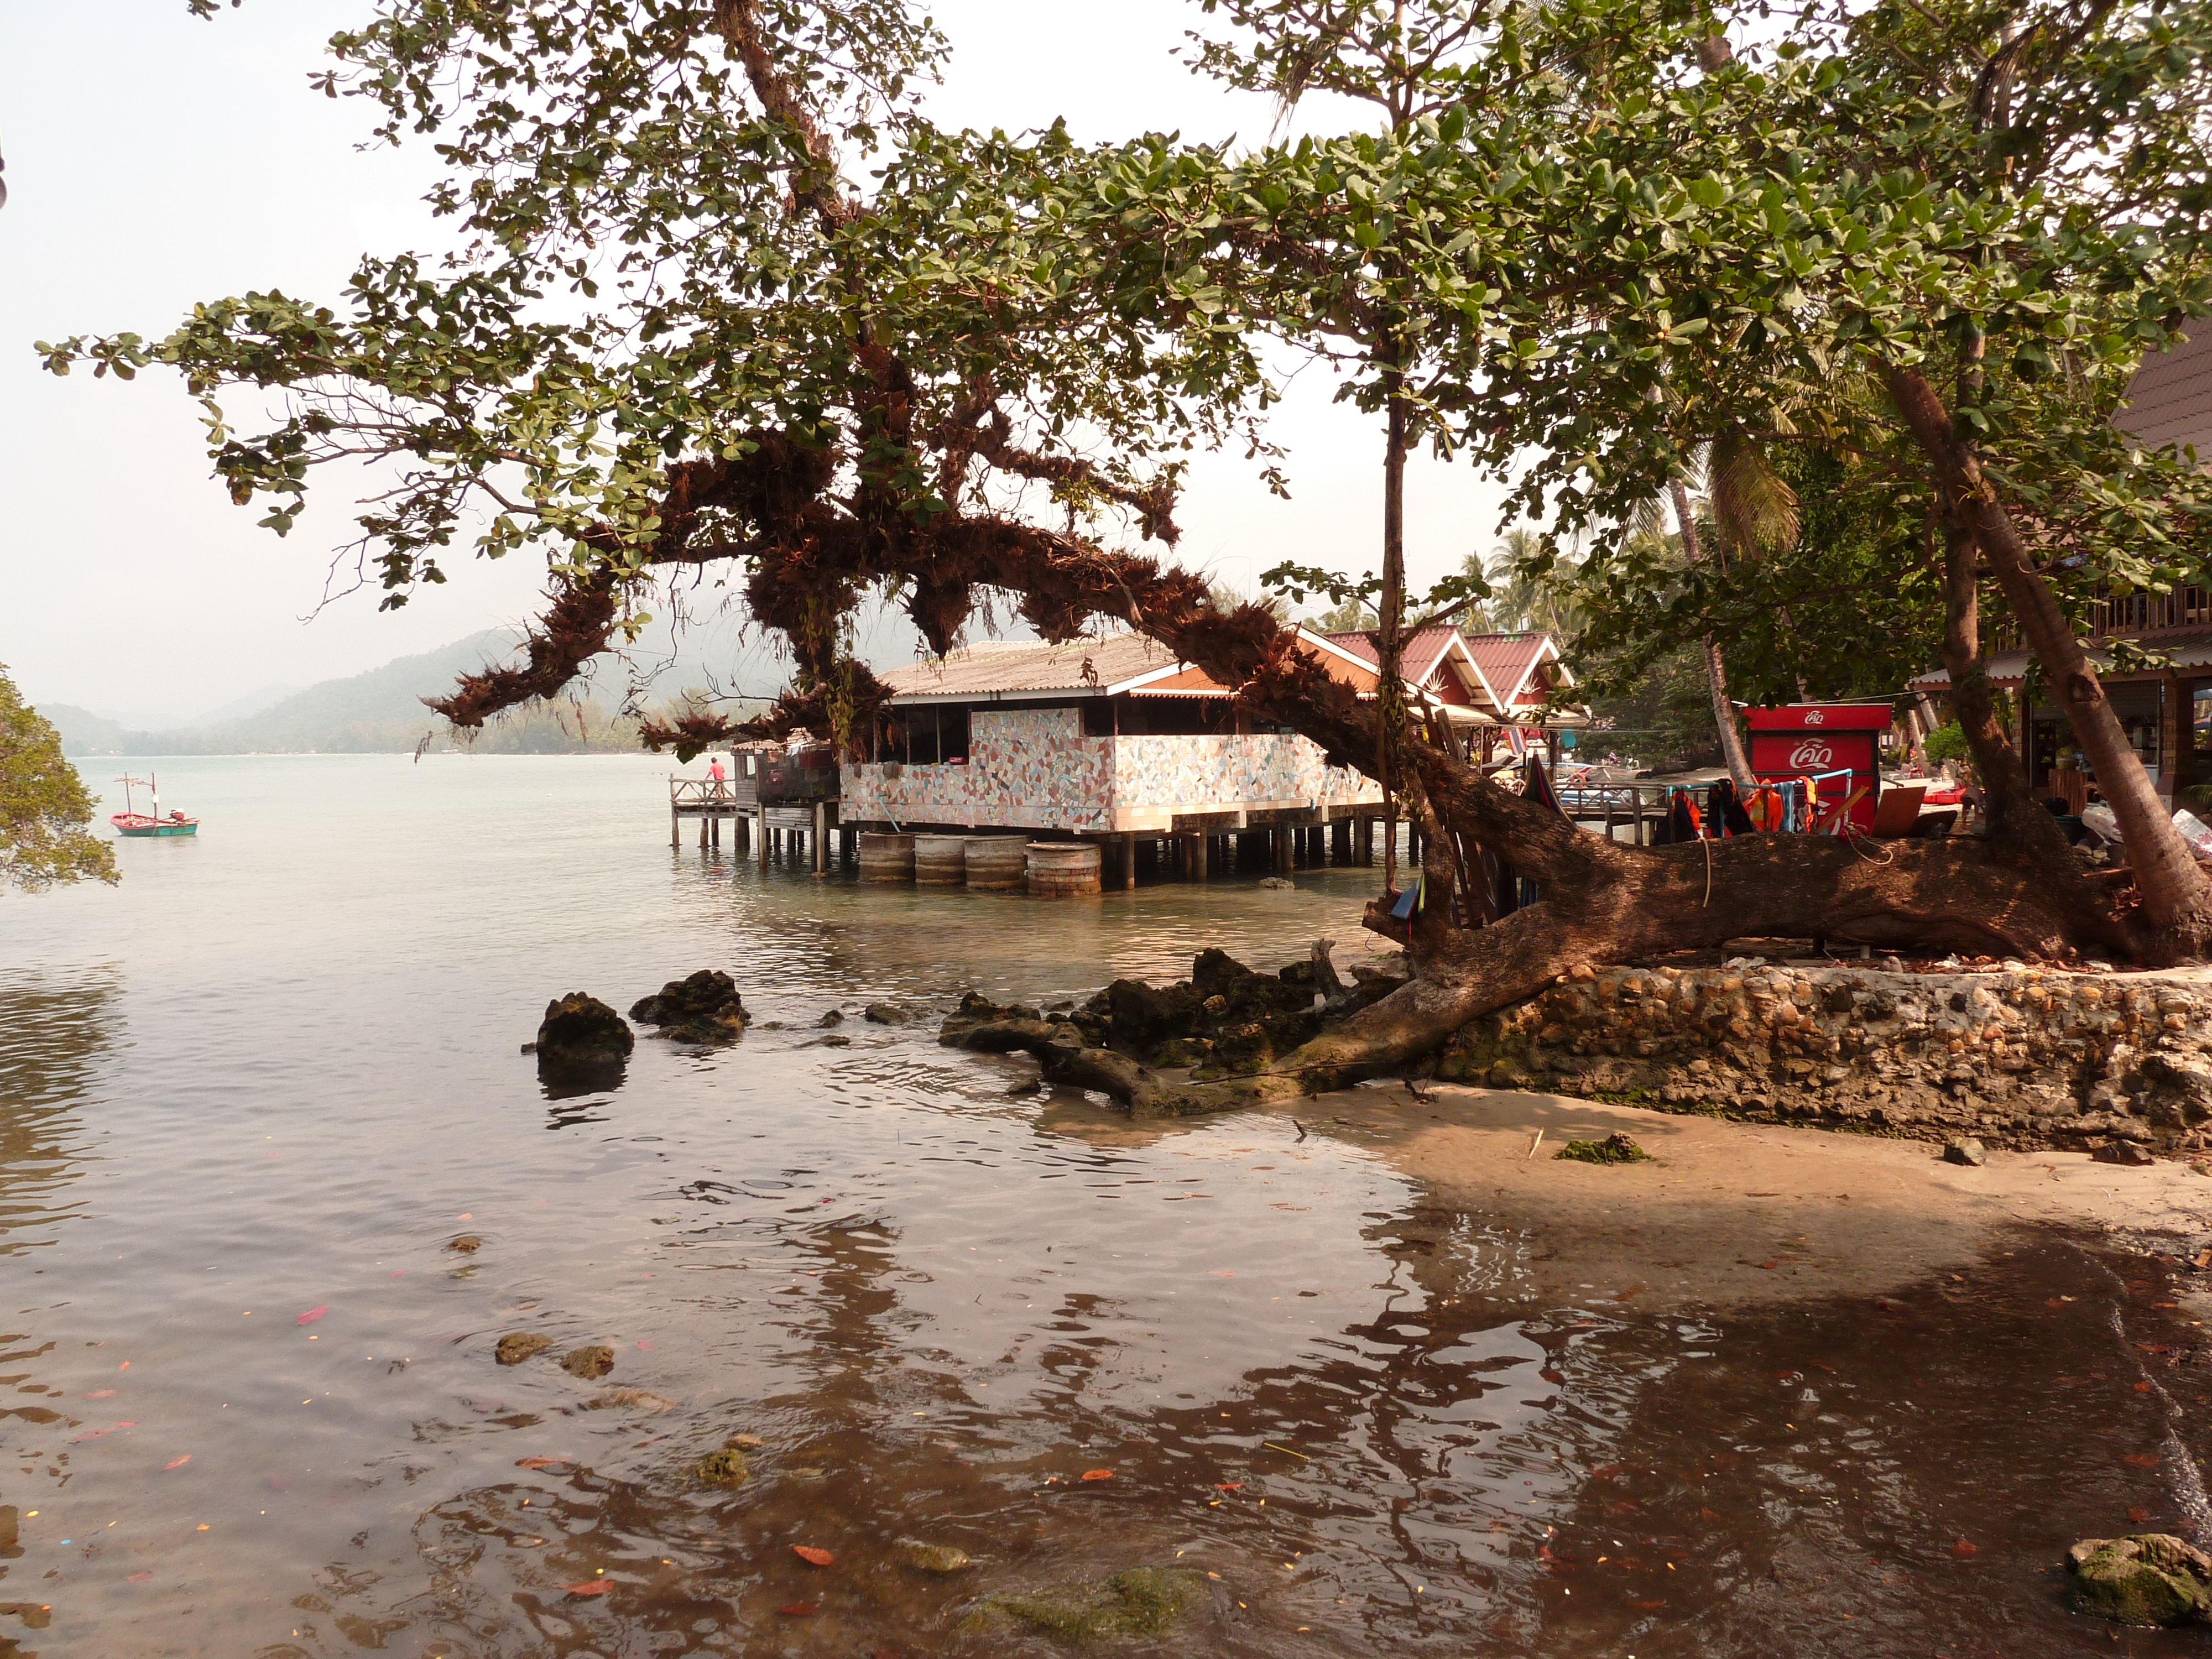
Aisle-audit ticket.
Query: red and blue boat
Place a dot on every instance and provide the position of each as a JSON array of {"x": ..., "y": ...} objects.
[{"x": 131, "y": 822}]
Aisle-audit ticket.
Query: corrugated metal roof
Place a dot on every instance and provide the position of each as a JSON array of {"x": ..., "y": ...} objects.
[
  {"x": 1506, "y": 659},
  {"x": 2170, "y": 399},
  {"x": 1032, "y": 666},
  {"x": 2192, "y": 649},
  {"x": 1420, "y": 657}
]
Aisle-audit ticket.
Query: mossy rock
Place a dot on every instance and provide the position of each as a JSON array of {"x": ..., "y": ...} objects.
[
  {"x": 725, "y": 1467},
  {"x": 589, "y": 1363},
  {"x": 2151, "y": 1578},
  {"x": 1142, "y": 1601},
  {"x": 1614, "y": 1149},
  {"x": 932, "y": 1557},
  {"x": 518, "y": 1346}
]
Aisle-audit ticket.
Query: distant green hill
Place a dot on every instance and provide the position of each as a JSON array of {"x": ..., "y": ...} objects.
[{"x": 380, "y": 712}]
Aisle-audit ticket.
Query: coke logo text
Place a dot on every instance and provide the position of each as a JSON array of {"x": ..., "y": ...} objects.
[{"x": 1810, "y": 755}]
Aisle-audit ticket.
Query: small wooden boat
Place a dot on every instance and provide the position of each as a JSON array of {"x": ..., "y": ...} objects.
[{"x": 131, "y": 822}]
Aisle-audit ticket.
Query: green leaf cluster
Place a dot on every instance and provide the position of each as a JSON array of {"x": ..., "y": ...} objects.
[{"x": 45, "y": 811}]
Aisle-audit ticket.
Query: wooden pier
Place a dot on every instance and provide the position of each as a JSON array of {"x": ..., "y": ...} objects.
[{"x": 774, "y": 807}]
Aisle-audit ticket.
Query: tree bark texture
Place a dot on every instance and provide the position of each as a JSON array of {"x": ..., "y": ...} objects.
[{"x": 2177, "y": 897}]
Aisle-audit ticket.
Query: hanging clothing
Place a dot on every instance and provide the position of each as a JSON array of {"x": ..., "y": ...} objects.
[
  {"x": 1682, "y": 822},
  {"x": 1536, "y": 786},
  {"x": 1724, "y": 810},
  {"x": 1768, "y": 809}
]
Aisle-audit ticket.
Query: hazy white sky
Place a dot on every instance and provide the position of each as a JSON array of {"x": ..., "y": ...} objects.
[{"x": 154, "y": 161}]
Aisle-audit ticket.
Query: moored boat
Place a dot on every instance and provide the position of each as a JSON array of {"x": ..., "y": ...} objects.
[{"x": 131, "y": 822}]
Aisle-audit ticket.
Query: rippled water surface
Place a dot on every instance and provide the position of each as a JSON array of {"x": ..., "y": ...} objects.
[{"x": 247, "y": 1101}]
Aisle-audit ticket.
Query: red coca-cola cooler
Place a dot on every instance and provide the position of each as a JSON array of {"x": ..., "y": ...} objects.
[{"x": 1803, "y": 739}]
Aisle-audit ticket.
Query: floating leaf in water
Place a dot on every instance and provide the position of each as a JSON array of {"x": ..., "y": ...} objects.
[
  {"x": 538, "y": 1463},
  {"x": 1229, "y": 1485},
  {"x": 312, "y": 1314},
  {"x": 95, "y": 1434},
  {"x": 812, "y": 1557},
  {"x": 101, "y": 1393},
  {"x": 590, "y": 1587},
  {"x": 1964, "y": 1550},
  {"x": 177, "y": 1464},
  {"x": 799, "y": 1609},
  {"x": 2140, "y": 1461},
  {"x": 2138, "y": 1516}
]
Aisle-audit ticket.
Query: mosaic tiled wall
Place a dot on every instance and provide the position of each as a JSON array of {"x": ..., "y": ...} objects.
[{"x": 1034, "y": 769}]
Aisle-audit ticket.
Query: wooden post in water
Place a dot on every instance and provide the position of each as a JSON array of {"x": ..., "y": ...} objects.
[
  {"x": 821, "y": 838},
  {"x": 1128, "y": 860},
  {"x": 761, "y": 825}
]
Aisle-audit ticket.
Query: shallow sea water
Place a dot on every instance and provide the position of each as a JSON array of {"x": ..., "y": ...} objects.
[{"x": 248, "y": 1099}]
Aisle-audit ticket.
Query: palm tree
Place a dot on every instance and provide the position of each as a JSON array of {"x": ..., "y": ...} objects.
[{"x": 1753, "y": 510}]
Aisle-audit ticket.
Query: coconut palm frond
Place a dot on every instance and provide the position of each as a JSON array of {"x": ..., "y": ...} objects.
[{"x": 1755, "y": 509}]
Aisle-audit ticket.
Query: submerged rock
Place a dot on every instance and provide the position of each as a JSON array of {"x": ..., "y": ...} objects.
[
  {"x": 835, "y": 1017},
  {"x": 2150, "y": 1578},
  {"x": 580, "y": 1033},
  {"x": 1142, "y": 1601},
  {"x": 702, "y": 1007},
  {"x": 643, "y": 1400},
  {"x": 931, "y": 1558},
  {"x": 1965, "y": 1148},
  {"x": 518, "y": 1346},
  {"x": 1614, "y": 1149},
  {"x": 467, "y": 1244},
  {"x": 590, "y": 1363},
  {"x": 725, "y": 1467},
  {"x": 1277, "y": 885},
  {"x": 885, "y": 1013}
]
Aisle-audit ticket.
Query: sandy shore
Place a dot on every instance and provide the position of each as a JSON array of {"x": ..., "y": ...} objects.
[
  {"x": 1737, "y": 1213},
  {"x": 1726, "y": 1214}
]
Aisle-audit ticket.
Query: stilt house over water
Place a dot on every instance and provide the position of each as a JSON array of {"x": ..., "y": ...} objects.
[{"x": 1113, "y": 738}]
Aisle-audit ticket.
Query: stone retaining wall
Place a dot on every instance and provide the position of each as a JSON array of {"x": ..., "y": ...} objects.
[{"x": 2018, "y": 1057}]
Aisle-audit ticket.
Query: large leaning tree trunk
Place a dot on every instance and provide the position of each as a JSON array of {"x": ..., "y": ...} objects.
[
  {"x": 2176, "y": 893},
  {"x": 821, "y": 525}
]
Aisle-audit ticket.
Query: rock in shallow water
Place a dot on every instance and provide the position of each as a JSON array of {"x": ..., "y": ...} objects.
[
  {"x": 2150, "y": 1578},
  {"x": 885, "y": 1013},
  {"x": 518, "y": 1346},
  {"x": 931, "y": 1558},
  {"x": 1142, "y": 1601},
  {"x": 701, "y": 1007},
  {"x": 590, "y": 1363},
  {"x": 725, "y": 1467},
  {"x": 582, "y": 1033}
]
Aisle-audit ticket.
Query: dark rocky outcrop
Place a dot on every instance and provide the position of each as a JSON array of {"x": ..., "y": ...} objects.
[
  {"x": 701, "y": 1007},
  {"x": 580, "y": 1035},
  {"x": 885, "y": 1013},
  {"x": 2150, "y": 1578}
]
